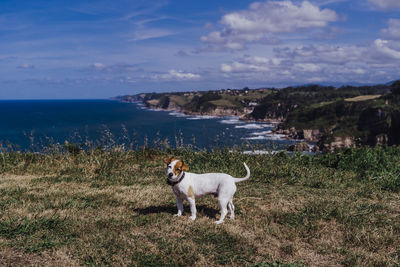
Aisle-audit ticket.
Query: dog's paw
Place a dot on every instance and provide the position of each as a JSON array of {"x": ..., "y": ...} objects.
[
  {"x": 192, "y": 218},
  {"x": 218, "y": 222},
  {"x": 178, "y": 214}
]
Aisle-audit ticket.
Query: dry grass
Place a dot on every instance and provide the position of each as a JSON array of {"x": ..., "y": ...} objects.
[
  {"x": 153, "y": 102},
  {"x": 180, "y": 100},
  {"x": 362, "y": 98},
  {"x": 117, "y": 210}
]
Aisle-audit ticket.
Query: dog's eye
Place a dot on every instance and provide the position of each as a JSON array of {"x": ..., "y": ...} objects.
[{"x": 169, "y": 167}]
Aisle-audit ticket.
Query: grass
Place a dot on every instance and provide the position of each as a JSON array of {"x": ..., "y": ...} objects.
[
  {"x": 180, "y": 100},
  {"x": 362, "y": 98},
  {"x": 113, "y": 207},
  {"x": 225, "y": 103}
]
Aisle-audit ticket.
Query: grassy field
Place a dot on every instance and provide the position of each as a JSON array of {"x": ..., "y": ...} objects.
[
  {"x": 362, "y": 98},
  {"x": 114, "y": 208}
]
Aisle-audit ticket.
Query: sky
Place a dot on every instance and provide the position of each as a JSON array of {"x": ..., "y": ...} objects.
[{"x": 99, "y": 49}]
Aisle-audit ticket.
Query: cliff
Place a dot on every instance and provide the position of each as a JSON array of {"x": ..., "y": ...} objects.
[
  {"x": 227, "y": 102},
  {"x": 330, "y": 117}
]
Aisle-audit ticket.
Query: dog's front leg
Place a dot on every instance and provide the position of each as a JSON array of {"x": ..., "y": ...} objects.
[
  {"x": 179, "y": 203},
  {"x": 192, "y": 204}
]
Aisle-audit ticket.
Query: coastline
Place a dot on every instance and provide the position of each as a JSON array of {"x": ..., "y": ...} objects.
[{"x": 273, "y": 134}]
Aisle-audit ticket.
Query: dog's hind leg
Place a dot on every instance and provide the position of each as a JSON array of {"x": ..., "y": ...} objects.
[
  {"x": 223, "y": 202},
  {"x": 231, "y": 209}
]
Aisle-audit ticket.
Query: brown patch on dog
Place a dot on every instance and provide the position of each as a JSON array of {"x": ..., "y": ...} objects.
[
  {"x": 191, "y": 192},
  {"x": 177, "y": 168},
  {"x": 185, "y": 167},
  {"x": 169, "y": 160}
]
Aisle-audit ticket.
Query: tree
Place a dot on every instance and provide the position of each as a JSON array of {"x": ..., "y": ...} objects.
[{"x": 396, "y": 87}]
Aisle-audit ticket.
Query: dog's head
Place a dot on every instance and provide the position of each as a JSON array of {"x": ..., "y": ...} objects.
[{"x": 174, "y": 168}]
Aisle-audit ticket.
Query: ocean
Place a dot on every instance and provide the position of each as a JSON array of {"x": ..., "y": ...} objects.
[{"x": 33, "y": 124}]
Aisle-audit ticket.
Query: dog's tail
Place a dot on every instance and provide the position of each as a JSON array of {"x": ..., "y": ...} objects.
[{"x": 237, "y": 180}]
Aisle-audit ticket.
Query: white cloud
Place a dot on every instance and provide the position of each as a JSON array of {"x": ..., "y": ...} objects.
[
  {"x": 115, "y": 68},
  {"x": 385, "y": 4},
  {"x": 377, "y": 61},
  {"x": 331, "y": 54},
  {"x": 243, "y": 67},
  {"x": 146, "y": 34},
  {"x": 380, "y": 52},
  {"x": 98, "y": 66},
  {"x": 177, "y": 75},
  {"x": 393, "y": 31},
  {"x": 307, "y": 67},
  {"x": 263, "y": 20},
  {"x": 358, "y": 71},
  {"x": 26, "y": 66},
  {"x": 261, "y": 60},
  {"x": 385, "y": 49},
  {"x": 277, "y": 17},
  {"x": 251, "y": 64}
]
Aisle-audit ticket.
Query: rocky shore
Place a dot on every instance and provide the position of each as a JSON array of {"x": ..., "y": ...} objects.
[
  {"x": 311, "y": 138},
  {"x": 226, "y": 112},
  {"x": 327, "y": 117}
]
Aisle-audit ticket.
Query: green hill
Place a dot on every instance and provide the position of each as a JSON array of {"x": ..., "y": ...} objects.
[
  {"x": 331, "y": 117},
  {"x": 362, "y": 120}
]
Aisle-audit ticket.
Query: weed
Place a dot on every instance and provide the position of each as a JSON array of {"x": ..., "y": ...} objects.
[{"x": 110, "y": 206}]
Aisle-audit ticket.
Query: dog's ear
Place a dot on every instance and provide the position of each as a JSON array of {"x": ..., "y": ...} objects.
[
  {"x": 185, "y": 167},
  {"x": 168, "y": 160}
]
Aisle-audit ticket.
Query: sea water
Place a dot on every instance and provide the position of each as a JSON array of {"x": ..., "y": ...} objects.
[{"x": 34, "y": 123}]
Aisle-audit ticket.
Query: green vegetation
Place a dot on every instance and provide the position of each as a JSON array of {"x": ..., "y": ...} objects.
[
  {"x": 368, "y": 119},
  {"x": 345, "y": 116},
  {"x": 112, "y": 207},
  {"x": 282, "y": 102},
  {"x": 202, "y": 102},
  {"x": 334, "y": 117}
]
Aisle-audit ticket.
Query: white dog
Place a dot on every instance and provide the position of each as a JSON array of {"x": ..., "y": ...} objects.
[{"x": 189, "y": 186}]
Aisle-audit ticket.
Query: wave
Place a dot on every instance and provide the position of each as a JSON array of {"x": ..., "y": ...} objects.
[
  {"x": 202, "y": 117},
  {"x": 265, "y": 135},
  {"x": 262, "y": 133},
  {"x": 254, "y": 126},
  {"x": 231, "y": 120},
  {"x": 260, "y": 152},
  {"x": 178, "y": 114},
  {"x": 258, "y": 137}
]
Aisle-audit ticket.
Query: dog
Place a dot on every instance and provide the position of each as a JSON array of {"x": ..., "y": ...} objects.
[{"x": 190, "y": 186}]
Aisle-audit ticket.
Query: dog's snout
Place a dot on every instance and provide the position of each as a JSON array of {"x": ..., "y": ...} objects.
[{"x": 170, "y": 174}]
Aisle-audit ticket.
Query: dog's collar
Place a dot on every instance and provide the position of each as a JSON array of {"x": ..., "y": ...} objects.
[{"x": 177, "y": 182}]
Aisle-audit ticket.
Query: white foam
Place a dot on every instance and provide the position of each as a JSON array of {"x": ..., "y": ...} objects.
[
  {"x": 276, "y": 136},
  {"x": 253, "y": 126},
  {"x": 265, "y": 135},
  {"x": 202, "y": 117},
  {"x": 231, "y": 120},
  {"x": 177, "y": 114},
  {"x": 258, "y": 137},
  {"x": 260, "y": 152},
  {"x": 262, "y": 133}
]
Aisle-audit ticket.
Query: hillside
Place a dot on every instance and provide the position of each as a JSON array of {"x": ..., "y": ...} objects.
[
  {"x": 362, "y": 120},
  {"x": 331, "y": 117},
  {"x": 219, "y": 102}
]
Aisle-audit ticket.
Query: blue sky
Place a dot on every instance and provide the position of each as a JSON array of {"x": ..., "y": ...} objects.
[{"x": 99, "y": 49}]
